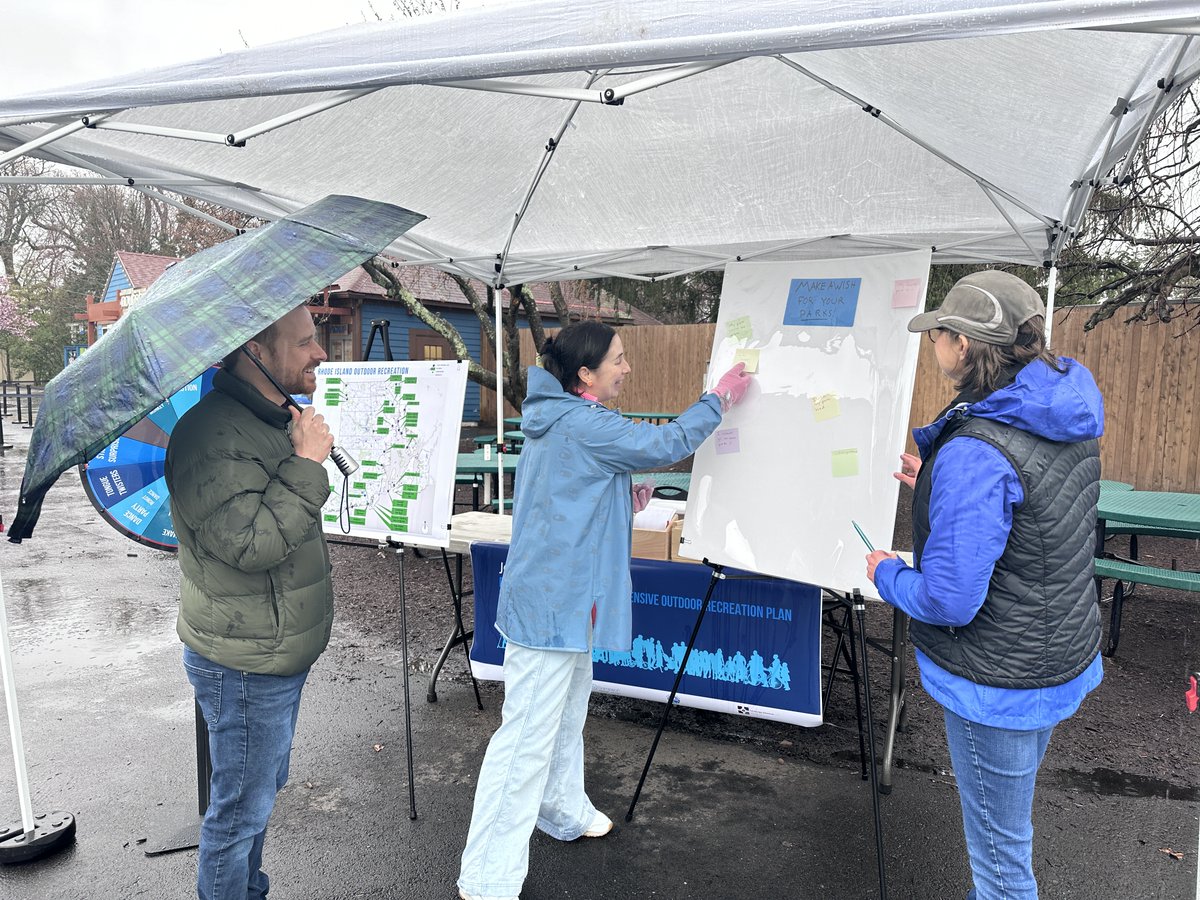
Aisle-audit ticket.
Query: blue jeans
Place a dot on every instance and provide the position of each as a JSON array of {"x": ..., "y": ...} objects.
[
  {"x": 995, "y": 769},
  {"x": 251, "y": 719},
  {"x": 532, "y": 773}
]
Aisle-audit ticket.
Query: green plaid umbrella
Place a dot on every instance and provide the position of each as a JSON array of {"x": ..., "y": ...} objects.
[{"x": 198, "y": 311}]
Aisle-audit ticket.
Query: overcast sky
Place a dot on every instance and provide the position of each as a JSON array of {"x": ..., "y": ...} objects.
[{"x": 46, "y": 43}]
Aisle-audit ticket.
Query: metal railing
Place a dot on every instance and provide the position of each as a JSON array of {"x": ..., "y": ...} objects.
[{"x": 19, "y": 401}]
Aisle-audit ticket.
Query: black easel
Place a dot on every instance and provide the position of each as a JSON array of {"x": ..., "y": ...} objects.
[
  {"x": 380, "y": 327},
  {"x": 412, "y": 788},
  {"x": 858, "y": 607}
]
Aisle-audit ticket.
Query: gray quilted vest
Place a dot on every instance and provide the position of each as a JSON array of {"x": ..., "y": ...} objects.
[{"x": 1039, "y": 625}]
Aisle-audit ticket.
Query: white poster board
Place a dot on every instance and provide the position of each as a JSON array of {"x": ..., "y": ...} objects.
[
  {"x": 402, "y": 422},
  {"x": 812, "y": 447}
]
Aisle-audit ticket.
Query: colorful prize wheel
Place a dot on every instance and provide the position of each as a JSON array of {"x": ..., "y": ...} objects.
[{"x": 125, "y": 480}]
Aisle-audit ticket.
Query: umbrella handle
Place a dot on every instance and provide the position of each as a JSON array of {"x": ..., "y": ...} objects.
[
  {"x": 345, "y": 463},
  {"x": 14, "y": 721}
]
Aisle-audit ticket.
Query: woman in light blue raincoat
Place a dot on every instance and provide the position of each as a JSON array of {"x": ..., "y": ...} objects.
[
  {"x": 1002, "y": 598},
  {"x": 566, "y": 590}
]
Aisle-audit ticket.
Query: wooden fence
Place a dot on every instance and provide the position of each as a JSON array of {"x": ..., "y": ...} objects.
[
  {"x": 1149, "y": 376},
  {"x": 668, "y": 364}
]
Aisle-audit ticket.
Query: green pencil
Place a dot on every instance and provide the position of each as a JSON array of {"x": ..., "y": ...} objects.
[{"x": 870, "y": 549}]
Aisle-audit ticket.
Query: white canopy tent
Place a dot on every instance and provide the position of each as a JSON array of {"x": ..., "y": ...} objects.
[
  {"x": 561, "y": 140},
  {"x": 550, "y": 140}
]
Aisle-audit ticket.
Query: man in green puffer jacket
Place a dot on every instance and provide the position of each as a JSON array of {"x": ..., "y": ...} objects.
[{"x": 247, "y": 486}]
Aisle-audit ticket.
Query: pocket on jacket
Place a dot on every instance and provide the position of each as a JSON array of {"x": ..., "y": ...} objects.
[
  {"x": 276, "y": 606},
  {"x": 206, "y": 683}
]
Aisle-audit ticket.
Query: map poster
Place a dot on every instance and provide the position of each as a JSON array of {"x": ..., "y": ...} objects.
[{"x": 401, "y": 421}]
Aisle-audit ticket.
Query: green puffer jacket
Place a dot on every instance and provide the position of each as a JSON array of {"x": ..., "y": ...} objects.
[{"x": 256, "y": 593}]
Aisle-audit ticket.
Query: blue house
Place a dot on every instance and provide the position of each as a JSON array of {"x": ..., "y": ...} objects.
[
  {"x": 356, "y": 320},
  {"x": 130, "y": 275}
]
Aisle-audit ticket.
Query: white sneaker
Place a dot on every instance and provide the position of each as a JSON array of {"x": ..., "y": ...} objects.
[
  {"x": 601, "y": 825},
  {"x": 463, "y": 895}
]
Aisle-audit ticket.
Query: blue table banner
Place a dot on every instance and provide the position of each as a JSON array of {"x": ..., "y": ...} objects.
[{"x": 758, "y": 652}]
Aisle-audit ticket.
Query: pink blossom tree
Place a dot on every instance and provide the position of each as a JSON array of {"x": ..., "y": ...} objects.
[{"x": 15, "y": 323}]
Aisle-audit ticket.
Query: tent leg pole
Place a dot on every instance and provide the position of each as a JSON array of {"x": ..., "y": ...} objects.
[{"x": 37, "y": 836}]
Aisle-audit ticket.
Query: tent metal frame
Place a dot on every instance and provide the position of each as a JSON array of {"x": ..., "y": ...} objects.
[
  {"x": 493, "y": 269},
  {"x": 1055, "y": 231}
]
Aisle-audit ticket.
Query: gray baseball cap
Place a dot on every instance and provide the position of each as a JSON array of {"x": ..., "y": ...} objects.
[{"x": 987, "y": 306}]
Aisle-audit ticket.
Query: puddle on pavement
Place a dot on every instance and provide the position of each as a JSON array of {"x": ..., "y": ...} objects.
[
  {"x": 88, "y": 651},
  {"x": 60, "y": 623},
  {"x": 1111, "y": 783}
]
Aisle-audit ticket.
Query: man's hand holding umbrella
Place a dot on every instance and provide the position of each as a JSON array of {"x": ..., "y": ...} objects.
[{"x": 310, "y": 435}]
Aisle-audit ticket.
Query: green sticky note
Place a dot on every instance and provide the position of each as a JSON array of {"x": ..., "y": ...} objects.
[
  {"x": 739, "y": 328},
  {"x": 747, "y": 356},
  {"x": 826, "y": 407},
  {"x": 845, "y": 463}
]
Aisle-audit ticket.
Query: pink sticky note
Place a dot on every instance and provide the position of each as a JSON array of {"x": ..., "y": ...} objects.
[
  {"x": 906, "y": 292},
  {"x": 727, "y": 441}
]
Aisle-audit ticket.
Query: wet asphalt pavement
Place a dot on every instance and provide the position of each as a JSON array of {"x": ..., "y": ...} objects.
[{"x": 109, "y": 735}]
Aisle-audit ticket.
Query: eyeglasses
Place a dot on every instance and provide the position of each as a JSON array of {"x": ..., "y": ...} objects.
[{"x": 933, "y": 334}]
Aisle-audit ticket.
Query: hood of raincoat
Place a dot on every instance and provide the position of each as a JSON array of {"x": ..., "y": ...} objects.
[
  {"x": 545, "y": 403},
  {"x": 1058, "y": 406}
]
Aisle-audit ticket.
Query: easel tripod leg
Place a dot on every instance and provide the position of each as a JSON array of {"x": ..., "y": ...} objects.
[
  {"x": 858, "y": 688},
  {"x": 674, "y": 690},
  {"x": 412, "y": 789},
  {"x": 896, "y": 700},
  {"x": 860, "y": 612}
]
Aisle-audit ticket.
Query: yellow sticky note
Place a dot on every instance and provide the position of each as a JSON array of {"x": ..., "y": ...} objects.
[
  {"x": 740, "y": 328},
  {"x": 747, "y": 356},
  {"x": 845, "y": 463},
  {"x": 826, "y": 407}
]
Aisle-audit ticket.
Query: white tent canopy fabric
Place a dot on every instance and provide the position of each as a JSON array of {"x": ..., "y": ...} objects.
[{"x": 551, "y": 140}]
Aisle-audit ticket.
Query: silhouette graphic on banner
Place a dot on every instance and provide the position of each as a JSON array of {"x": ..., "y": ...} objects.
[{"x": 757, "y": 652}]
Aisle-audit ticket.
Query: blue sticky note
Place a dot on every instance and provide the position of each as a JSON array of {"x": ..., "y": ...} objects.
[{"x": 830, "y": 302}]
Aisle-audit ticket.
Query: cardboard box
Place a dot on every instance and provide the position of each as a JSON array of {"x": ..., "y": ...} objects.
[
  {"x": 649, "y": 544},
  {"x": 676, "y": 537}
]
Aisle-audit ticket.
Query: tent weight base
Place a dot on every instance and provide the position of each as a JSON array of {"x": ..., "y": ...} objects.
[{"x": 51, "y": 833}]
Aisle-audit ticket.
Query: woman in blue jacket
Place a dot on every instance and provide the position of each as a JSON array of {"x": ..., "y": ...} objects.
[
  {"x": 566, "y": 589},
  {"x": 1002, "y": 599}
]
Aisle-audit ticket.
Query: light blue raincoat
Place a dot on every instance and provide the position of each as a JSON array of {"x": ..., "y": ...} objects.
[{"x": 573, "y": 515}]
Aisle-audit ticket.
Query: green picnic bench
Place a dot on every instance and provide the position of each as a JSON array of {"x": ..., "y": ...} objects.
[
  {"x": 1135, "y": 573},
  {"x": 1161, "y": 513}
]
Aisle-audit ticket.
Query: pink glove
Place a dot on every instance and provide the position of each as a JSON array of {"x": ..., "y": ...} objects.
[
  {"x": 642, "y": 492},
  {"x": 732, "y": 387}
]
